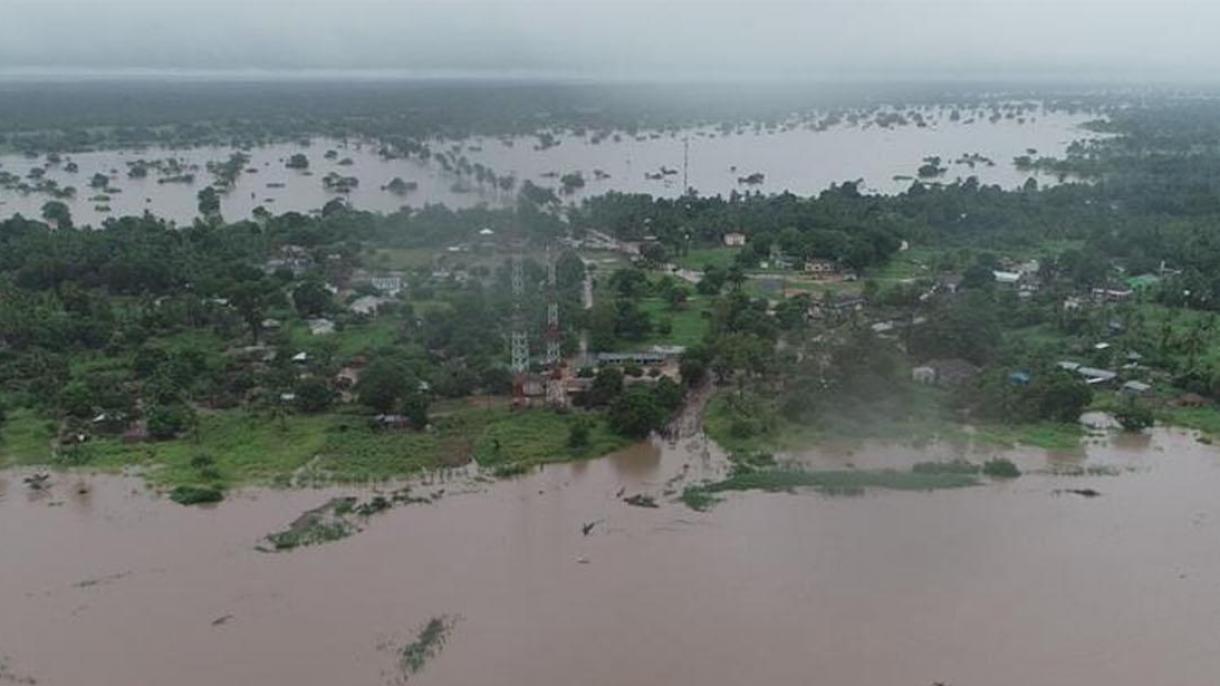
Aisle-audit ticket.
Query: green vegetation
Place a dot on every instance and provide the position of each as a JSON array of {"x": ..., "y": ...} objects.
[
  {"x": 322, "y": 524},
  {"x": 829, "y": 482},
  {"x": 243, "y": 448},
  {"x": 1045, "y": 435},
  {"x": 1001, "y": 468},
  {"x": 195, "y": 495},
  {"x": 537, "y": 437},
  {"x": 699, "y": 258},
  {"x": 685, "y": 326},
  {"x": 224, "y": 353},
  {"x": 953, "y": 467},
  {"x": 427, "y": 645}
]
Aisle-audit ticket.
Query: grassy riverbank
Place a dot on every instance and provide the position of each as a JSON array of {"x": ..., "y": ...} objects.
[{"x": 236, "y": 447}]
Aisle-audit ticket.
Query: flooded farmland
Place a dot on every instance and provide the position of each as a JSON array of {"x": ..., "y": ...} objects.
[
  {"x": 798, "y": 158},
  {"x": 1008, "y": 583}
]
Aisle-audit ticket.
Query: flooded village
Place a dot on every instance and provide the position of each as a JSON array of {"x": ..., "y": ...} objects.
[{"x": 539, "y": 389}]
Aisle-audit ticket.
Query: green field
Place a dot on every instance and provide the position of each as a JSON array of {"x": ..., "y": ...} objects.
[
  {"x": 699, "y": 258},
  {"x": 401, "y": 258},
  {"x": 926, "y": 420},
  {"x": 688, "y": 325},
  {"x": 351, "y": 340}
]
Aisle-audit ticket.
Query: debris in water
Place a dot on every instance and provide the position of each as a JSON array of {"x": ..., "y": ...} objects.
[
  {"x": 38, "y": 482},
  {"x": 1086, "y": 492},
  {"x": 588, "y": 527},
  {"x": 641, "y": 500},
  {"x": 221, "y": 620},
  {"x": 8, "y": 676},
  {"x": 98, "y": 581},
  {"x": 582, "y": 560}
]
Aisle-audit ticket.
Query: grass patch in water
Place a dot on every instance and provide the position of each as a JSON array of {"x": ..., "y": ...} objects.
[
  {"x": 951, "y": 467},
  {"x": 1205, "y": 419},
  {"x": 698, "y": 498},
  {"x": 1045, "y": 435},
  {"x": 1090, "y": 470},
  {"x": 336, "y": 519},
  {"x": 829, "y": 482},
  {"x": 196, "y": 495},
  {"x": 1001, "y": 468},
  {"x": 426, "y": 646},
  {"x": 319, "y": 525}
]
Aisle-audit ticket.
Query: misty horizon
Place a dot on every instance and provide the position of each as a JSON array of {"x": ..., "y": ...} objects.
[{"x": 1076, "y": 40}]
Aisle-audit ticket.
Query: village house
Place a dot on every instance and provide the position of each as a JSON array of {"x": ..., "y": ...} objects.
[
  {"x": 368, "y": 305},
  {"x": 642, "y": 358},
  {"x": 946, "y": 372},
  {"x": 835, "y": 306},
  {"x": 1136, "y": 389},
  {"x": 391, "y": 421},
  {"x": 1007, "y": 278},
  {"x": 294, "y": 258},
  {"x": 347, "y": 377},
  {"x": 387, "y": 284},
  {"x": 320, "y": 326},
  {"x": 734, "y": 239},
  {"x": 820, "y": 268},
  {"x": 1091, "y": 375},
  {"x": 1112, "y": 294}
]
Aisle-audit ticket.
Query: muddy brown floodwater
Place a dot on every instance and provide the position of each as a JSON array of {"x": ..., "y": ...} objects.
[{"x": 1002, "y": 584}]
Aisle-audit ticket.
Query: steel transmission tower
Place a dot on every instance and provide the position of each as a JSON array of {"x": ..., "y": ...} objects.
[
  {"x": 519, "y": 341},
  {"x": 553, "y": 336}
]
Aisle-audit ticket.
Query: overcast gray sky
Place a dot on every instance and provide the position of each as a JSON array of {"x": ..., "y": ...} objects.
[{"x": 1137, "y": 39}]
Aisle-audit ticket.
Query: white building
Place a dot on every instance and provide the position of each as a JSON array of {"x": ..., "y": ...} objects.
[
  {"x": 387, "y": 284},
  {"x": 368, "y": 305},
  {"x": 320, "y": 326}
]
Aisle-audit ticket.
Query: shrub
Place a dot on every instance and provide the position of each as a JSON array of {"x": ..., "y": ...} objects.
[
  {"x": 578, "y": 435},
  {"x": 167, "y": 421},
  {"x": 1001, "y": 468},
  {"x": 194, "y": 495},
  {"x": 1134, "y": 417},
  {"x": 313, "y": 395}
]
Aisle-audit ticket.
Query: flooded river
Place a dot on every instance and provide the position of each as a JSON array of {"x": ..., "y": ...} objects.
[
  {"x": 798, "y": 159},
  {"x": 1005, "y": 584}
]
